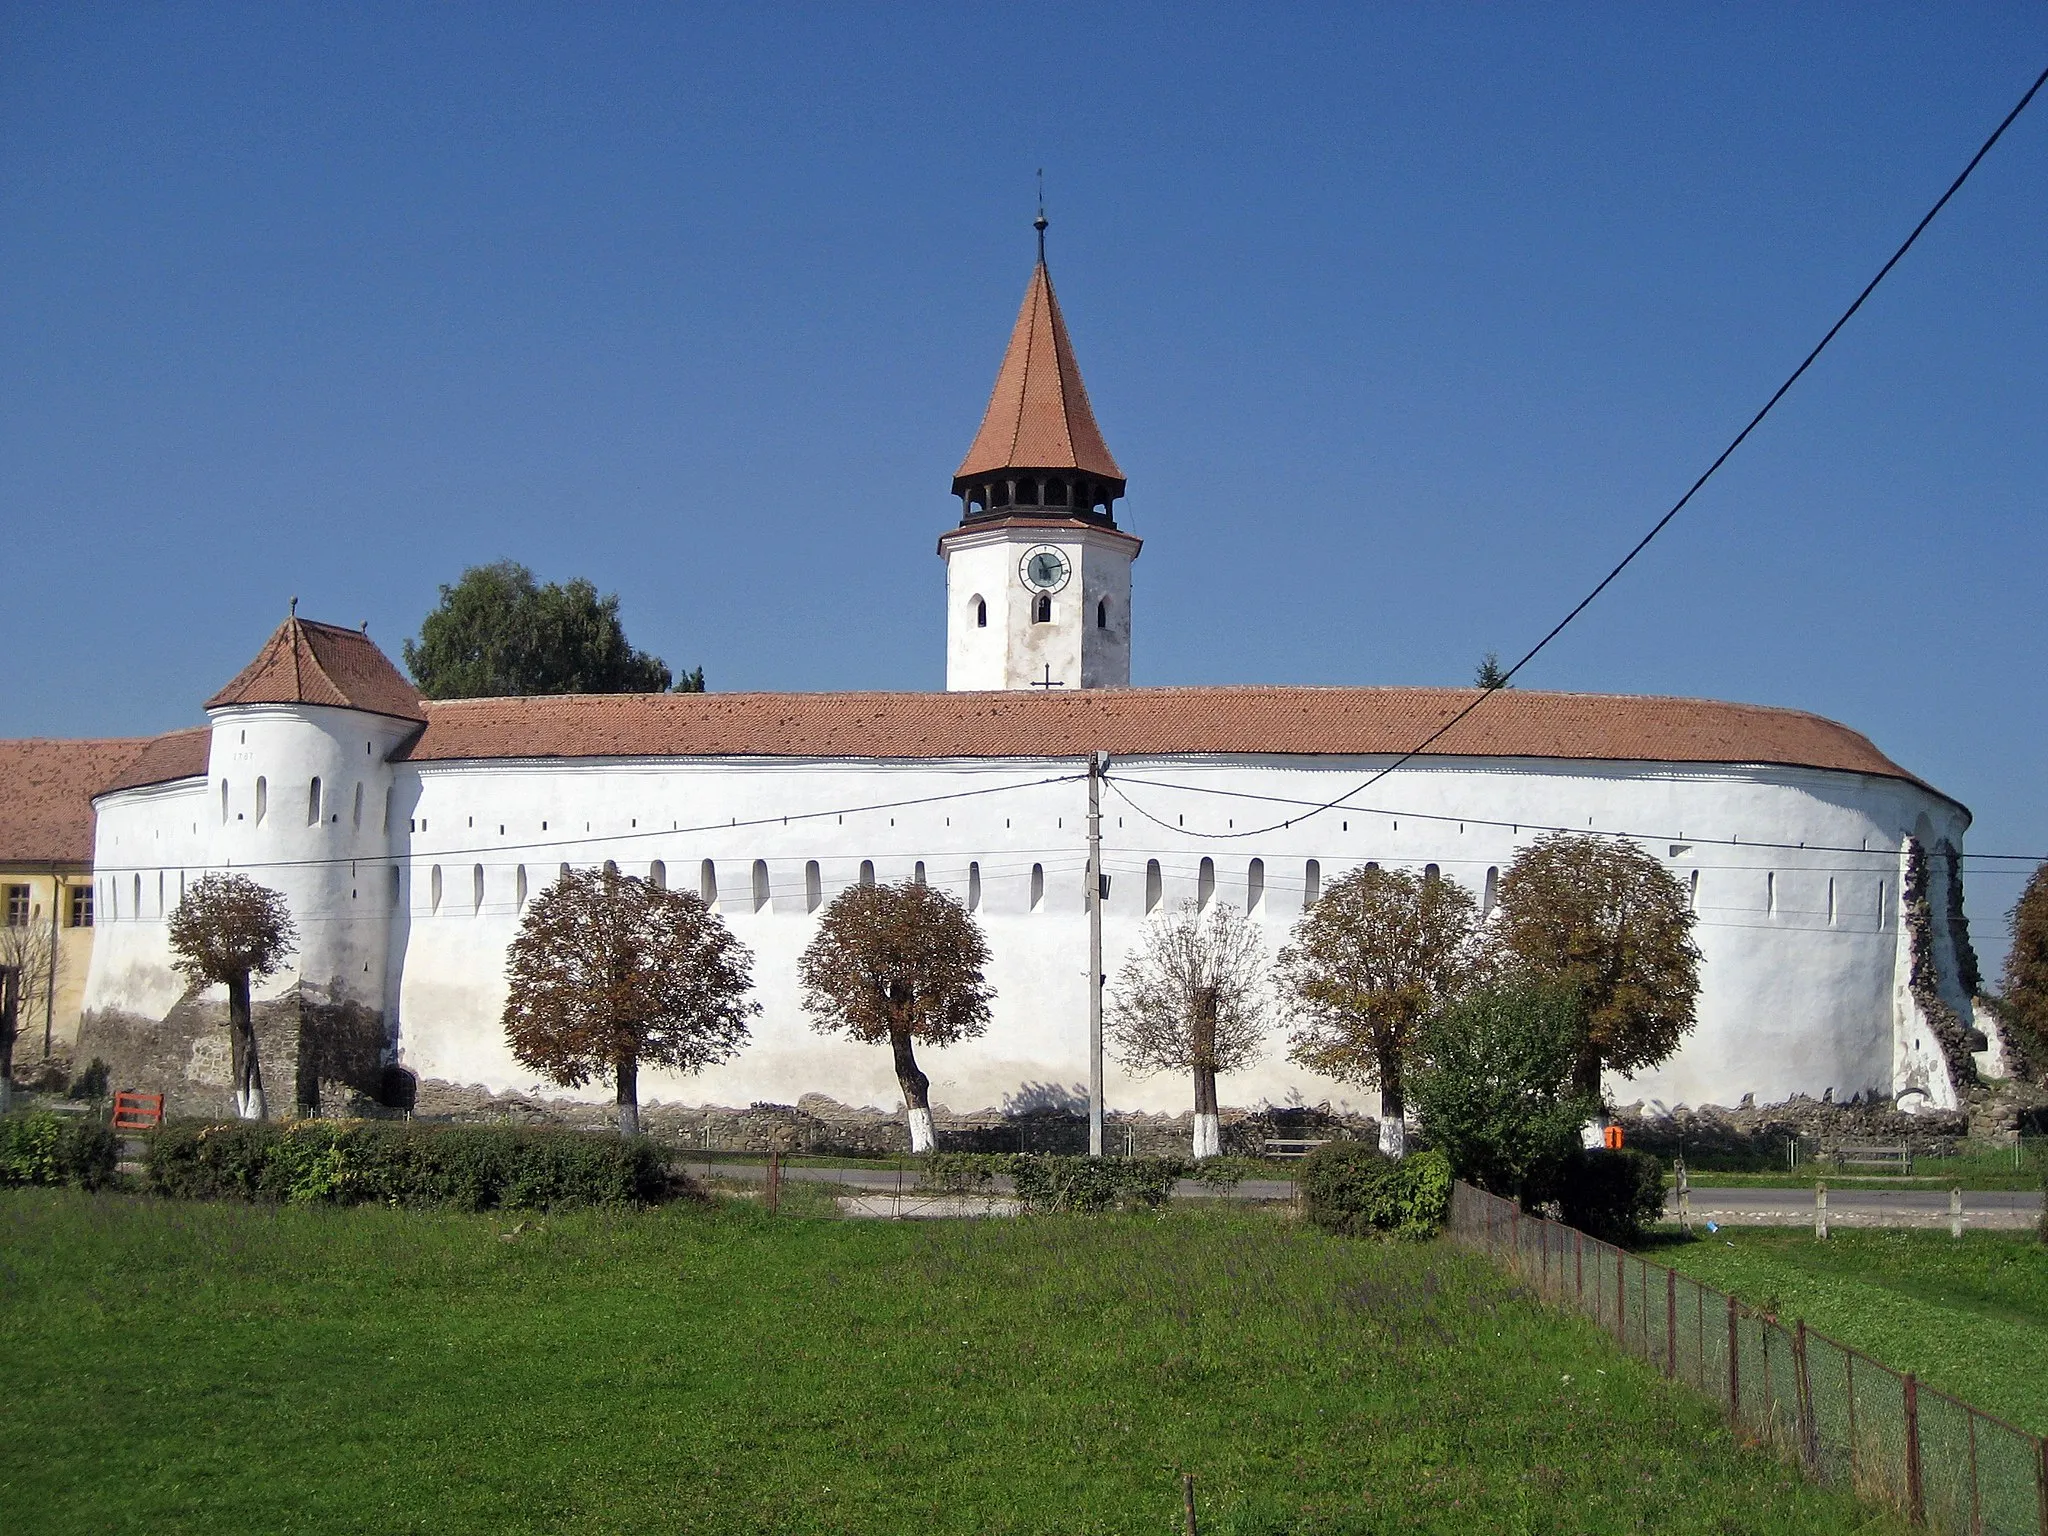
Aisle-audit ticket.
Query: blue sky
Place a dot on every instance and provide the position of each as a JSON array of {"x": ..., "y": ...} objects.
[{"x": 1404, "y": 323}]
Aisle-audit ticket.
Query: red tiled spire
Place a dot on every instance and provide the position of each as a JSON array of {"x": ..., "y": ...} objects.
[
  {"x": 307, "y": 663},
  {"x": 1038, "y": 416}
]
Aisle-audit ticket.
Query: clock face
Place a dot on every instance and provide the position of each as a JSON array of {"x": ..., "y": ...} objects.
[{"x": 1044, "y": 569}]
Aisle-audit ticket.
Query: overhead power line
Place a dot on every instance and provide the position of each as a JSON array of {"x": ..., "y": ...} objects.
[{"x": 1691, "y": 491}]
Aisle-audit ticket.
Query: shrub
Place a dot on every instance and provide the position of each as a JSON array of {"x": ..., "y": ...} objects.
[
  {"x": 962, "y": 1173},
  {"x": 49, "y": 1148},
  {"x": 346, "y": 1163},
  {"x": 1611, "y": 1194},
  {"x": 1094, "y": 1183},
  {"x": 1493, "y": 1090},
  {"x": 1355, "y": 1190},
  {"x": 92, "y": 1082}
]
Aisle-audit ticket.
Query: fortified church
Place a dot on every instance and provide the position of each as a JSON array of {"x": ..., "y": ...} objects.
[{"x": 409, "y": 835}]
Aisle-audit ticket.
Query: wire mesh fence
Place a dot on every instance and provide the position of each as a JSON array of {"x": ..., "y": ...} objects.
[{"x": 1849, "y": 1420}]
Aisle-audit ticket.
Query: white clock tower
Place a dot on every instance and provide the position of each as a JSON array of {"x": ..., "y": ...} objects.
[{"x": 1038, "y": 575}]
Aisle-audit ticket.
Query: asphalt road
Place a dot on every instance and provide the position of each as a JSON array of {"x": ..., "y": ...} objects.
[{"x": 904, "y": 1180}]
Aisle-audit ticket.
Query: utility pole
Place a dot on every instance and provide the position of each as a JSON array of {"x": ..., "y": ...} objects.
[{"x": 1095, "y": 895}]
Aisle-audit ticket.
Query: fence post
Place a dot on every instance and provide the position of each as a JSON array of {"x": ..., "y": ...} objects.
[
  {"x": 1734, "y": 1366},
  {"x": 1579, "y": 1264},
  {"x": 1809, "y": 1429},
  {"x": 2041, "y": 1481},
  {"x": 1976, "y": 1503},
  {"x": 1671, "y": 1323},
  {"x": 1621, "y": 1297},
  {"x": 1916, "y": 1503},
  {"x": 1855, "y": 1451}
]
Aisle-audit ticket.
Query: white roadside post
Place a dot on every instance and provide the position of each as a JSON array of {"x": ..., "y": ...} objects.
[
  {"x": 1820, "y": 1211},
  {"x": 1955, "y": 1211}
]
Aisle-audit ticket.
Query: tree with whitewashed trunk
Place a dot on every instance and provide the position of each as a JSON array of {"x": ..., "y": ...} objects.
[
  {"x": 900, "y": 964},
  {"x": 229, "y": 931},
  {"x": 610, "y": 973},
  {"x": 1192, "y": 998},
  {"x": 1376, "y": 955}
]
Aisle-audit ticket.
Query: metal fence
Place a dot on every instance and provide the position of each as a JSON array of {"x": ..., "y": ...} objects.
[{"x": 1850, "y": 1421}]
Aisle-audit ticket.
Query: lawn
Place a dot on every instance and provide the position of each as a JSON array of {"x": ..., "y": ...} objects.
[
  {"x": 1969, "y": 1317},
  {"x": 186, "y": 1367}
]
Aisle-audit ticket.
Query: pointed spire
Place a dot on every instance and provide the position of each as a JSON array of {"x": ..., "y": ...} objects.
[{"x": 1038, "y": 416}]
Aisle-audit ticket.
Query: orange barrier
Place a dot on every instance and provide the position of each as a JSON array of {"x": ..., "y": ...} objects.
[{"x": 138, "y": 1111}]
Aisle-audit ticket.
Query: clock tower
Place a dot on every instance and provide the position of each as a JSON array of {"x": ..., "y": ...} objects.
[{"x": 1038, "y": 575}]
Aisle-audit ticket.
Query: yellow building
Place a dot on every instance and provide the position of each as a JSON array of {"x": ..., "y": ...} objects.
[{"x": 46, "y": 887}]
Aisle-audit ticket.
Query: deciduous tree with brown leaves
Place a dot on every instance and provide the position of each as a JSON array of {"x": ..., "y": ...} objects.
[
  {"x": 2023, "y": 998},
  {"x": 1379, "y": 952},
  {"x": 1603, "y": 919},
  {"x": 609, "y": 973},
  {"x": 228, "y": 931},
  {"x": 1192, "y": 998},
  {"x": 900, "y": 964}
]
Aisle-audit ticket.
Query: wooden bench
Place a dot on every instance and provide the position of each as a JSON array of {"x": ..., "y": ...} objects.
[
  {"x": 1852, "y": 1154},
  {"x": 1298, "y": 1146},
  {"x": 138, "y": 1111}
]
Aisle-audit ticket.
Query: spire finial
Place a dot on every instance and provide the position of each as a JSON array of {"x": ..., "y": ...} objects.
[
  {"x": 295, "y": 607},
  {"x": 1040, "y": 222}
]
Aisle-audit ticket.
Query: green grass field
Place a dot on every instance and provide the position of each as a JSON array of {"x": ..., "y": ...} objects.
[
  {"x": 228, "y": 1368},
  {"x": 1969, "y": 1317}
]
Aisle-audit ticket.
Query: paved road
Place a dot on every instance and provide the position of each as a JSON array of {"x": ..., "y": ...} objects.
[{"x": 1849, "y": 1206}]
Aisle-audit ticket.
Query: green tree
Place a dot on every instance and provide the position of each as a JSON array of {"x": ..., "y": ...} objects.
[
  {"x": 497, "y": 633},
  {"x": 1491, "y": 675},
  {"x": 1380, "y": 951},
  {"x": 225, "y": 931},
  {"x": 898, "y": 964},
  {"x": 1191, "y": 998},
  {"x": 609, "y": 973},
  {"x": 1493, "y": 1085},
  {"x": 2023, "y": 999},
  {"x": 1604, "y": 920}
]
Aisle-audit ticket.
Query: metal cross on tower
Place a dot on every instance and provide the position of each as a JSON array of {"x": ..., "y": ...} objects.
[{"x": 1050, "y": 680}]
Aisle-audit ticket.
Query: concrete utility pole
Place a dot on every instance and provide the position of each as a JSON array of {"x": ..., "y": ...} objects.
[{"x": 1095, "y": 894}]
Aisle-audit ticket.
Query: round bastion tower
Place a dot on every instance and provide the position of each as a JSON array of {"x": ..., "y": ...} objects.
[
  {"x": 1038, "y": 575},
  {"x": 299, "y": 791}
]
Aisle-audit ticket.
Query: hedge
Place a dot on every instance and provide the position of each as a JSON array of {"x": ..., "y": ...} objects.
[
  {"x": 472, "y": 1168},
  {"x": 1615, "y": 1195},
  {"x": 48, "y": 1148},
  {"x": 1049, "y": 1183},
  {"x": 1355, "y": 1190}
]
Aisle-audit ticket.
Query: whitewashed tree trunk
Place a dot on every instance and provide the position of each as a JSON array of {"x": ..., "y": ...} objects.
[
  {"x": 1208, "y": 1135},
  {"x": 1393, "y": 1136},
  {"x": 249, "y": 1104},
  {"x": 921, "y": 1137},
  {"x": 1593, "y": 1135}
]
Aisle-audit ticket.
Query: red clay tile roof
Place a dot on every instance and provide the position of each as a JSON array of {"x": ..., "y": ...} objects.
[
  {"x": 1350, "y": 722},
  {"x": 164, "y": 759},
  {"x": 1038, "y": 416},
  {"x": 308, "y": 663},
  {"x": 46, "y": 790}
]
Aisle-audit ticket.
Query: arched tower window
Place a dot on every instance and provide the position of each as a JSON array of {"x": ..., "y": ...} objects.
[
  {"x": 1102, "y": 613},
  {"x": 519, "y": 888},
  {"x": 1311, "y": 883},
  {"x": 974, "y": 886},
  {"x": 1155, "y": 885},
  {"x": 434, "y": 888},
  {"x": 1492, "y": 897},
  {"x": 1254, "y": 884},
  {"x": 611, "y": 866},
  {"x": 867, "y": 872},
  {"x": 1055, "y": 493},
  {"x": 981, "y": 613},
  {"x": 707, "y": 882},
  {"x": 917, "y": 872},
  {"x": 1027, "y": 493},
  {"x": 313, "y": 802},
  {"x": 1431, "y": 872},
  {"x": 657, "y": 875},
  {"x": 223, "y": 800},
  {"x": 760, "y": 885},
  {"x": 1205, "y": 883},
  {"x": 1002, "y": 493},
  {"x": 1692, "y": 892},
  {"x": 262, "y": 799},
  {"x": 1041, "y": 609},
  {"x": 814, "y": 886},
  {"x": 476, "y": 888},
  {"x": 1037, "y": 886}
]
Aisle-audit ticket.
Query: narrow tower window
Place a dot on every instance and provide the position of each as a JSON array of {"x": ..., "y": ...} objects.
[
  {"x": 1771, "y": 891},
  {"x": 262, "y": 799},
  {"x": 1831, "y": 900},
  {"x": 397, "y": 886},
  {"x": 1205, "y": 883},
  {"x": 760, "y": 885},
  {"x": 1037, "y": 886},
  {"x": 387, "y": 810},
  {"x": 356, "y": 816},
  {"x": 1102, "y": 614},
  {"x": 1430, "y": 872},
  {"x": 814, "y": 886},
  {"x": 707, "y": 883},
  {"x": 223, "y": 800},
  {"x": 917, "y": 872},
  {"x": 657, "y": 875},
  {"x": 1155, "y": 886},
  {"x": 981, "y": 613},
  {"x": 1492, "y": 896},
  {"x": 1041, "y": 610},
  {"x": 1254, "y": 885},
  {"x": 1692, "y": 892},
  {"x": 867, "y": 872},
  {"x": 611, "y": 866},
  {"x": 1311, "y": 883},
  {"x": 476, "y": 888},
  {"x": 519, "y": 889},
  {"x": 313, "y": 802},
  {"x": 974, "y": 886},
  {"x": 1880, "y": 904},
  {"x": 434, "y": 887},
  {"x": 1055, "y": 493}
]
